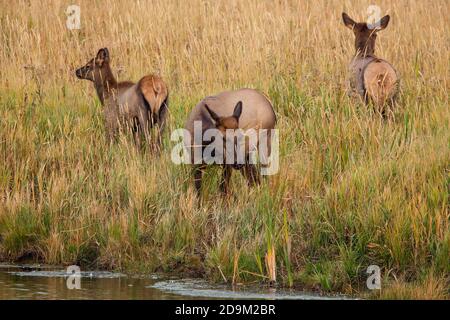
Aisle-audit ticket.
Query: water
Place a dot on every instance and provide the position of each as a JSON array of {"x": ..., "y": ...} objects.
[{"x": 49, "y": 282}]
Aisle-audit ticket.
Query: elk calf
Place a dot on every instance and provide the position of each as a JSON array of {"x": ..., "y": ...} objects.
[
  {"x": 371, "y": 78},
  {"x": 138, "y": 106},
  {"x": 244, "y": 109}
]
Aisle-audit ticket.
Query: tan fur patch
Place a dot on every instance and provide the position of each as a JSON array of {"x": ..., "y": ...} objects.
[
  {"x": 229, "y": 123},
  {"x": 380, "y": 81},
  {"x": 154, "y": 90}
]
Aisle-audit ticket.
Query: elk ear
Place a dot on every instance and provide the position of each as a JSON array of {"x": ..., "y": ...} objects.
[
  {"x": 102, "y": 56},
  {"x": 383, "y": 23},
  {"x": 349, "y": 22},
  {"x": 237, "y": 110},
  {"x": 213, "y": 115}
]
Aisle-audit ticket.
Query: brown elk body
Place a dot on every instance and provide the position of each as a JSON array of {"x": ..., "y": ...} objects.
[
  {"x": 372, "y": 78},
  {"x": 241, "y": 109},
  {"x": 137, "y": 106}
]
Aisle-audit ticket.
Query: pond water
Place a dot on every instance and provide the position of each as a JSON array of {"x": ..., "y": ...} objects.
[{"x": 50, "y": 282}]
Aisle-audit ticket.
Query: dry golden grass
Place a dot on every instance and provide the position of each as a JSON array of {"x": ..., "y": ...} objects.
[
  {"x": 352, "y": 190},
  {"x": 430, "y": 288}
]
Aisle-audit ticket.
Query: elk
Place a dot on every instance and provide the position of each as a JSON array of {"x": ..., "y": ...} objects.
[
  {"x": 137, "y": 106},
  {"x": 242, "y": 109},
  {"x": 372, "y": 78}
]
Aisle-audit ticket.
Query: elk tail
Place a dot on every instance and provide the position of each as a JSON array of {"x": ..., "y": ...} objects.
[
  {"x": 154, "y": 91},
  {"x": 380, "y": 81}
]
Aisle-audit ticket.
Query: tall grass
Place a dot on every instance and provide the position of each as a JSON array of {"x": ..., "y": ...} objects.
[{"x": 352, "y": 190}]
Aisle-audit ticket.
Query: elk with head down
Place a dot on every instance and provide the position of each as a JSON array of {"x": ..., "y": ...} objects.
[{"x": 227, "y": 112}]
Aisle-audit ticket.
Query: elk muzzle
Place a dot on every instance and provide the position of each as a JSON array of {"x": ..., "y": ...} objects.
[{"x": 82, "y": 73}]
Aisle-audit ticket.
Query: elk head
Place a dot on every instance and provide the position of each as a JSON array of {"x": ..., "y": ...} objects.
[
  {"x": 96, "y": 68},
  {"x": 227, "y": 127},
  {"x": 365, "y": 34}
]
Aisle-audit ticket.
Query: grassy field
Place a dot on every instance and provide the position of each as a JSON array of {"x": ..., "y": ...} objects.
[{"x": 353, "y": 189}]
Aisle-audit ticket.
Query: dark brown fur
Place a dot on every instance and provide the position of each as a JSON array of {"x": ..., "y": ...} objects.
[{"x": 223, "y": 124}]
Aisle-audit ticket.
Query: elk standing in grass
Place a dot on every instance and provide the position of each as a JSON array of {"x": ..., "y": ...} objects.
[
  {"x": 137, "y": 106},
  {"x": 371, "y": 78},
  {"x": 244, "y": 109}
]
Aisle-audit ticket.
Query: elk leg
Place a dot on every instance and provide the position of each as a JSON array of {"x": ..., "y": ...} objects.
[
  {"x": 137, "y": 139},
  {"x": 112, "y": 130},
  {"x": 158, "y": 139},
  {"x": 144, "y": 125},
  {"x": 225, "y": 182},
  {"x": 198, "y": 173},
  {"x": 250, "y": 172},
  {"x": 135, "y": 129},
  {"x": 111, "y": 124},
  {"x": 265, "y": 150},
  {"x": 161, "y": 123}
]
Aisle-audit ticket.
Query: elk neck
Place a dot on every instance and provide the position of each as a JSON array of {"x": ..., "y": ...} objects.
[
  {"x": 105, "y": 83},
  {"x": 365, "y": 47}
]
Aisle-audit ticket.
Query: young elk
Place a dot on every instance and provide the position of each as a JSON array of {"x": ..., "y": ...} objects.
[
  {"x": 227, "y": 112},
  {"x": 138, "y": 106},
  {"x": 371, "y": 78}
]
